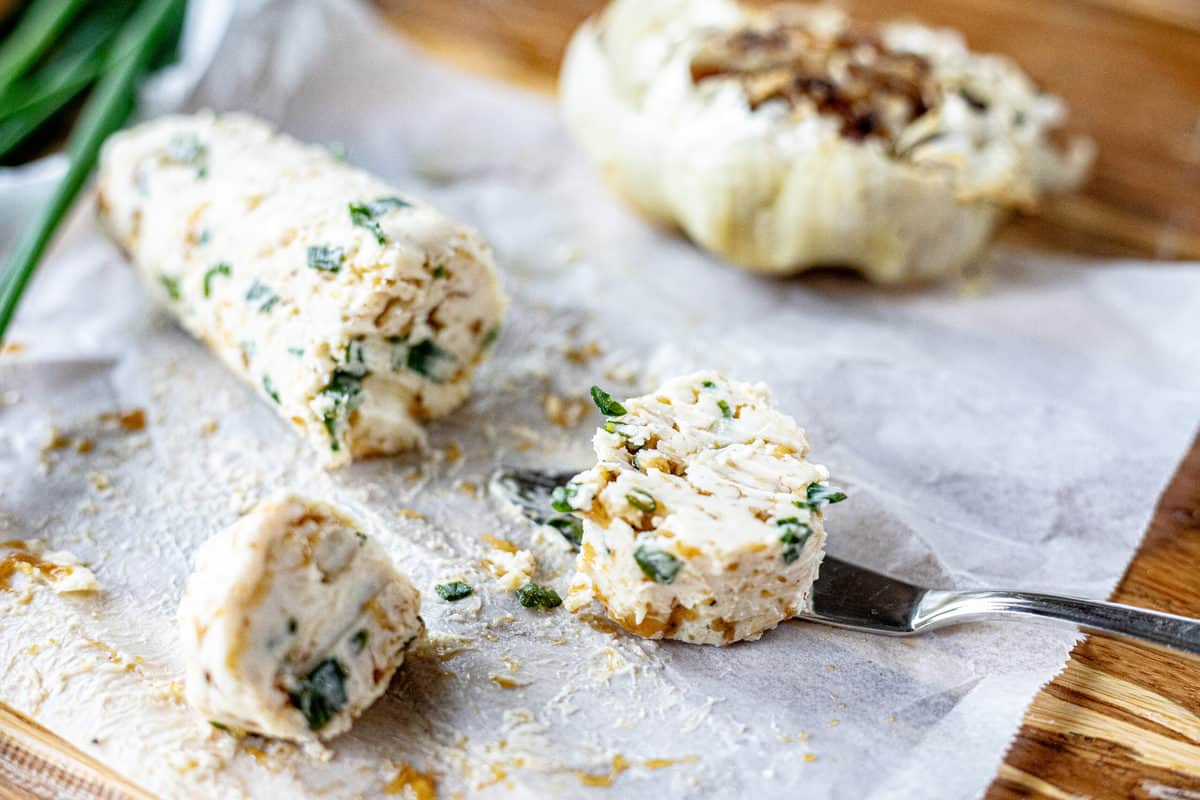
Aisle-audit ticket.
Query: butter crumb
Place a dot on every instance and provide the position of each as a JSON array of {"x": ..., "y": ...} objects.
[
  {"x": 582, "y": 354},
  {"x": 565, "y": 412}
]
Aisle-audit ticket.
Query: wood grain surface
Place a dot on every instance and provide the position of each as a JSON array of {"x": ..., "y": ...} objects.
[
  {"x": 35, "y": 764},
  {"x": 1122, "y": 720}
]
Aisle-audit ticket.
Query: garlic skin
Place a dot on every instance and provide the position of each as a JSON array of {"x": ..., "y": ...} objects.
[{"x": 779, "y": 187}]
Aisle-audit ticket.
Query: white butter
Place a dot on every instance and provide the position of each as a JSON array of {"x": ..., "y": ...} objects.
[
  {"x": 697, "y": 519},
  {"x": 355, "y": 310},
  {"x": 58, "y": 569},
  {"x": 293, "y": 621}
]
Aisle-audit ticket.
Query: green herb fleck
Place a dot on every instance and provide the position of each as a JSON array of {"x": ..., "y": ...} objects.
[
  {"x": 342, "y": 395},
  {"x": 659, "y": 565},
  {"x": 321, "y": 694},
  {"x": 187, "y": 149},
  {"x": 361, "y": 216},
  {"x": 354, "y": 359},
  {"x": 292, "y": 625},
  {"x": 365, "y": 215},
  {"x": 326, "y": 259},
  {"x": 440, "y": 272},
  {"x": 708, "y": 385},
  {"x": 491, "y": 336},
  {"x": 608, "y": 407},
  {"x": 262, "y": 295},
  {"x": 213, "y": 271},
  {"x": 795, "y": 534},
  {"x": 359, "y": 641},
  {"x": 642, "y": 500},
  {"x": 453, "y": 591},
  {"x": 383, "y": 205},
  {"x": 269, "y": 388},
  {"x": 561, "y": 497},
  {"x": 426, "y": 358},
  {"x": 171, "y": 284},
  {"x": 219, "y": 725},
  {"x": 533, "y": 595},
  {"x": 726, "y": 411},
  {"x": 399, "y": 354},
  {"x": 818, "y": 495},
  {"x": 570, "y": 528}
]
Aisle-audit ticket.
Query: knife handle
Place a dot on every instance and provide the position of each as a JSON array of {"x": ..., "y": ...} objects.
[{"x": 939, "y": 608}]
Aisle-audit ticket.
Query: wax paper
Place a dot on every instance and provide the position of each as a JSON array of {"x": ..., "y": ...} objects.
[{"x": 1010, "y": 431}]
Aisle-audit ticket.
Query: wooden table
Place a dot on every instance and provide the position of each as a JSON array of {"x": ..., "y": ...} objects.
[{"x": 1121, "y": 721}]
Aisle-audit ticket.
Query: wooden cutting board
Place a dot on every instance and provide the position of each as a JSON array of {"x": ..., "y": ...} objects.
[{"x": 1121, "y": 721}]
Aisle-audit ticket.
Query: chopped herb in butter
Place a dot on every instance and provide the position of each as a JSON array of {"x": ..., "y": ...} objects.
[
  {"x": 269, "y": 388},
  {"x": 726, "y": 411},
  {"x": 366, "y": 215},
  {"x": 213, "y": 271},
  {"x": 659, "y": 565},
  {"x": 188, "y": 150},
  {"x": 642, "y": 500},
  {"x": 383, "y": 205},
  {"x": 171, "y": 284},
  {"x": 354, "y": 359},
  {"x": 399, "y": 353},
  {"x": 794, "y": 534},
  {"x": 321, "y": 693},
  {"x": 326, "y": 259},
  {"x": 818, "y": 495},
  {"x": 570, "y": 528},
  {"x": 426, "y": 358},
  {"x": 261, "y": 295},
  {"x": 361, "y": 216},
  {"x": 561, "y": 497},
  {"x": 341, "y": 395},
  {"x": 359, "y": 640}
]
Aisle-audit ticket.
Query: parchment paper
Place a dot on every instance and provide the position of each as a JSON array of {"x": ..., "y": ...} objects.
[{"x": 1015, "y": 436}]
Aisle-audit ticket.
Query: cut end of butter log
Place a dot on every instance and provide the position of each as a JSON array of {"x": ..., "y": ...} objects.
[
  {"x": 702, "y": 518},
  {"x": 293, "y": 622},
  {"x": 353, "y": 309}
]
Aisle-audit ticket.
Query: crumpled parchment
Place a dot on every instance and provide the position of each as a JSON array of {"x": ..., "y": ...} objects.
[{"x": 1017, "y": 437}]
